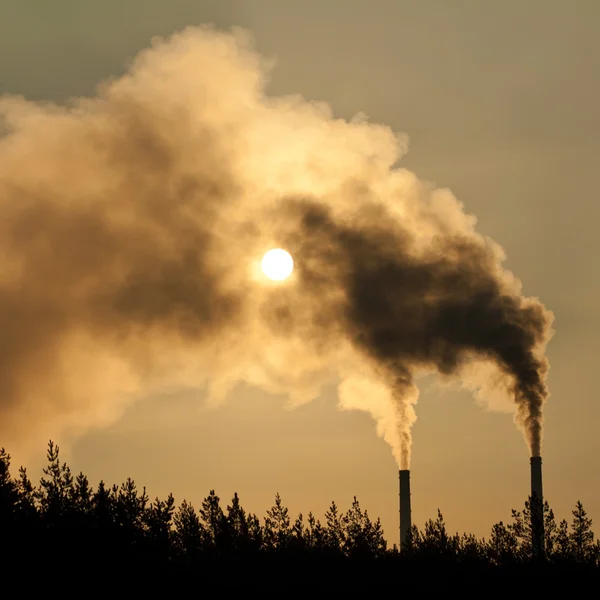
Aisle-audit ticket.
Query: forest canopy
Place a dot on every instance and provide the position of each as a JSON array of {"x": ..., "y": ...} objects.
[{"x": 118, "y": 528}]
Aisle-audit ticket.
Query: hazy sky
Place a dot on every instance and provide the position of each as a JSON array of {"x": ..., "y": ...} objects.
[{"x": 500, "y": 102}]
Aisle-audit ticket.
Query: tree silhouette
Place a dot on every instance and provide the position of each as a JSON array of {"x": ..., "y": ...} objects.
[
  {"x": 215, "y": 524},
  {"x": 158, "y": 523},
  {"x": 298, "y": 540},
  {"x": 469, "y": 549},
  {"x": 562, "y": 543},
  {"x": 82, "y": 497},
  {"x": 27, "y": 508},
  {"x": 9, "y": 492},
  {"x": 104, "y": 507},
  {"x": 277, "y": 528},
  {"x": 522, "y": 529},
  {"x": 435, "y": 540},
  {"x": 503, "y": 545},
  {"x": 189, "y": 537},
  {"x": 242, "y": 529},
  {"x": 55, "y": 494},
  {"x": 63, "y": 523},
  {"x": 255, "y": 532},
  {"x": 550, "y": 530},
  {"x": 582, "y": 536},
  {"x": 315, "y": 535},
  {"x": 129, "y": 513},
  {"x": 335, "y": 536},
  {"x": 362, "y": 538}
]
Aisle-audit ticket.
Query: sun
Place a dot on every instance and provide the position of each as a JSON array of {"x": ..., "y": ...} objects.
[{"x": 277, "y": 264}]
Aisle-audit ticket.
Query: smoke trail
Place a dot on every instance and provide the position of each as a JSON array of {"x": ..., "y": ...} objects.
[
  {"x": 131, "y": 229},
  {"x": 438, "y": 306}
]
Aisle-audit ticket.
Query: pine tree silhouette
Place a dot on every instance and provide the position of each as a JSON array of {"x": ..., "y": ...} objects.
[
  {"x": 582, "y": 536},
  {"x": 277, "y": 528},
  {"x": 335, "y": 535},
  {"x": 190, "y": 536},
  {"x": 215, "y": 525},
  {"x": 9, "y": 492},
  {"x": 63, "y": 523},
  {"x": 503, "y": 546}
]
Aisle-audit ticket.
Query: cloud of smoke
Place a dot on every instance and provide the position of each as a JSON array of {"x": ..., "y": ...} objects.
[{"x": 132, "y": 225}]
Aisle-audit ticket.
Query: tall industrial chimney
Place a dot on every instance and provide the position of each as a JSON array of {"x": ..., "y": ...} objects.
[
  {"x": 405, "y": 516},
  {"x": 537, "y": 507}
]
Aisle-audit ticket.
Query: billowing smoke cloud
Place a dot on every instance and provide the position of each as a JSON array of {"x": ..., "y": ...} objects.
[{"x": 132, "y": 225}]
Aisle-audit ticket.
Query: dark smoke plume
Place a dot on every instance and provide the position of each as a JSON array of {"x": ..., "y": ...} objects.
[
  {"x": 132, "y": 225},
  {"x": 437, "y": 308}
]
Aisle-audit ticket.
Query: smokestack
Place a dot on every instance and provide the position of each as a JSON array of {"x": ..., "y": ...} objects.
[
  {"x": 537, "y": 507},
  {"x": 405, "y": 516}
]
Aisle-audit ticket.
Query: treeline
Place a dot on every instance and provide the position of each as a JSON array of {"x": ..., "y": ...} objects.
[{"x": 65, "y": 523}]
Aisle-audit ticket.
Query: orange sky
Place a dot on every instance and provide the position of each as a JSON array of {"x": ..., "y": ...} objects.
[{"x": 500, "y": 105}]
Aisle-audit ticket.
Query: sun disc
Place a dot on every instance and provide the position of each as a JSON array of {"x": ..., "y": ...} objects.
[{"x": 277, "y": 264}]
